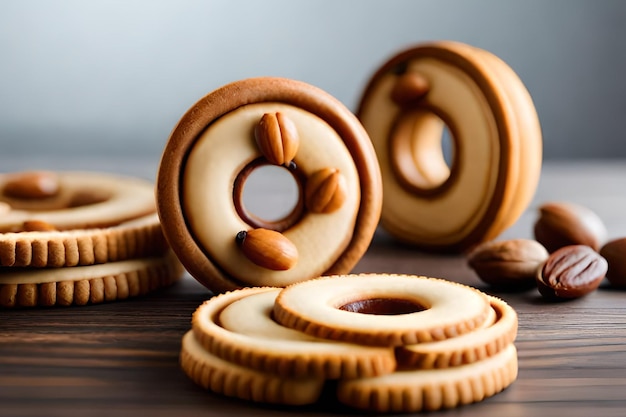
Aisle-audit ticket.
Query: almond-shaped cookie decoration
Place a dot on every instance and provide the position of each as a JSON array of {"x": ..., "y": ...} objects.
[
  {"x": 325, "y": 191},
  {"x": 451, "y": 201},
  {"x": 277, "y": 137},
  {"x": 268, "y": 249},
  {"x": 408, "y": 88},
  {"x": 249, "y": 124},
  {"x": 31, "y": 185}
]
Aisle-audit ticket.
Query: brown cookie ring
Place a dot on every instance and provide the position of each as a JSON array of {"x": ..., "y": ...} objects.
[
  {"x": 219, "y": 327},
  {"x": 380, "y": 309},
  {"x": 282, "y": 96},
  {"x": 468, "y": 348},
  {"x": 497, "y": 142},
  {"x": 232, "y": 380},
  {"x": 71, "y": 200},
  {"x": 432, "y": 389},
  {"x": 136, "y": 238},
  {"x": 91, "y": 284}
]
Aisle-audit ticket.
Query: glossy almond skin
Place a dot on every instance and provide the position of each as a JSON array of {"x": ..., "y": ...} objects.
[
  {"x": 268, "y": 249},
  {"x": 277, "y": 137},
  {"x": 32, "y": 185},
  {"x": 562, "y": 224},
  {"x": 614, "y": 252},
  {"x": 325, "y": 191},
  {"x": 571, "y": 272},
  {"x": 508, "y": 264}
]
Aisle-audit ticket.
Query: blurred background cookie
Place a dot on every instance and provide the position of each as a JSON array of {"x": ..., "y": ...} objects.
[{"x": 76, "y": 238}]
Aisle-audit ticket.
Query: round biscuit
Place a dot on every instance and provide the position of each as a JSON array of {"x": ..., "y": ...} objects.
[
  {"x": 90, "y": 284},
  {"x": 229, "y": 379},
  {"x": 135, "y": 238},
  {"x": 432, "y": 389},
  {"x": 238, "y": 327},
  {"x": 315, "y": 307},
  {"x": 470, "y": 347}
]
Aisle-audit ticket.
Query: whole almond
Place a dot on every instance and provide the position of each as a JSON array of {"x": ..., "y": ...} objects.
[
  {"x": 614, "y": 252},
  {"x": 277, "y": 137},
  {"x": 508, "y": 264},
  {"x": 563, "y": 224},
  {"x": 409, "y": 87},
  {"x": 37, "y": 226},
  {"x": 325, "y": 191},
  {"x": 31, "y": 185},
  {"x": 268, "y": 249},
  {"x": 571, "y": 272}
]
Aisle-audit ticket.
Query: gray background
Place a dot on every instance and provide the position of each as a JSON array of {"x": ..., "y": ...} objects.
[{"x": 113, "y": 77}]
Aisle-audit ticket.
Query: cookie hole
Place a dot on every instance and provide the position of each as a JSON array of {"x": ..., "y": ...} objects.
[
  {"x": 422, "y": 151},
  {"x": 383, "y": 306},
  {"x": 268, "y": 196}
]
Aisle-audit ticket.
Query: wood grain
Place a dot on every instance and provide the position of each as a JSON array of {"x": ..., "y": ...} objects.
[{"x": 121, "y": 358}]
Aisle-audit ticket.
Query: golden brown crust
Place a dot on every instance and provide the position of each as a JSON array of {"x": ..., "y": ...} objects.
[
  {"x": 516, "y": 158},
  {"x": 133, "y": 239},
  {"x": 92, "y": 284},
  {"x": 468, "y": 348},
  {"x": 233, "y": 96},
  {"x": 431, "y": 390},
  {"x": 226, "y": 378},
  {"x": 279, "y": 351},
  {"x": 314, "y": 307}
]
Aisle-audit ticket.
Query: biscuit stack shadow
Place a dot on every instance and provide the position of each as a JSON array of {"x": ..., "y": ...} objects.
[
  {"x": 251, "y": 344},
  {"x": 78, "y": 238}
]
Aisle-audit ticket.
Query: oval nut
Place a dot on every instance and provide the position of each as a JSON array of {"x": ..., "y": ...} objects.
[
  {"x": 268, "y": 249},
  {"x": 408, "y": 88},
  {"x": 32, "y": 185},
  {"x": 277, "y": 137},
  {"x": 325, "y": 191}
]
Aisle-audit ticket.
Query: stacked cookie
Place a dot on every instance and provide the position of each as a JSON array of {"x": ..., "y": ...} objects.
[
  {"x": 76, "y": 238},
  {"x": 391, "y": 343}
]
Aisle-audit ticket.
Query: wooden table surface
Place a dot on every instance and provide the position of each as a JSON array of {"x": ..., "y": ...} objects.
[{"x": 121, "y": 358}]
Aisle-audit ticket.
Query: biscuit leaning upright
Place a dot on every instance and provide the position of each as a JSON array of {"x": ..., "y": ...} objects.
[
  {"x": 248, "y": 124},
  {"x": 495, "y": 164}
]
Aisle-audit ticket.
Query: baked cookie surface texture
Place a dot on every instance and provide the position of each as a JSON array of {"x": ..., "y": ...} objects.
[
  {"x": 451, "y": 201},
  {"x": 75, "y": 238},
  {"x": 374, "y": 342},
  {"x": 247, "y": 125}
]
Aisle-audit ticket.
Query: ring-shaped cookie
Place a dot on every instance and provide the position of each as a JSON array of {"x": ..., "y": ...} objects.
[
  {"x": 290, "y": 95},
  {"x": 83, "y": 200},
  {"x": 89, "y": 284},
  {"x": 63, "y": 248},
  {"x": 229, "y": 379},
  {"x": 237, "y": 327},
  {"x": 496, "y": 136},
  {"x": 207, "y": 187},
  {"x": 381, "y": 310},
  {"x": 432, "y": 389},
  {"x": 470, "y": 347}
]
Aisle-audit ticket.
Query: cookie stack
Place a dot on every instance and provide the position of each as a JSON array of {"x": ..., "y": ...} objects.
[
  {"x": 76, "y": 238},
  {"x": 390, "y": 343}
]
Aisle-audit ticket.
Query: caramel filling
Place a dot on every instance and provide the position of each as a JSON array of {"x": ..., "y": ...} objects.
[{"x": 383, "y": 306}]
